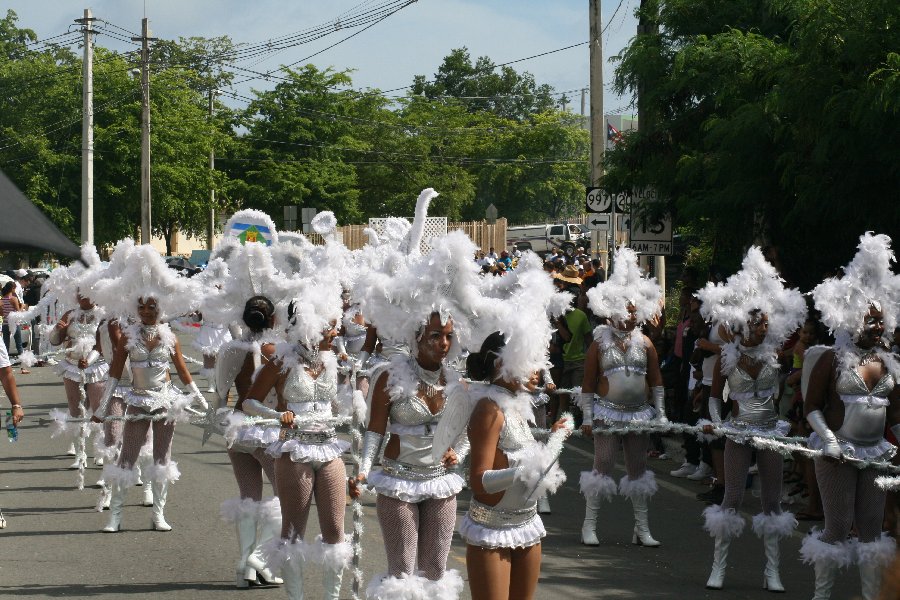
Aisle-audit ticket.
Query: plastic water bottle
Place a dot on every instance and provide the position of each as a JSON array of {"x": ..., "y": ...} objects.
[{"x": 12, "y": 432}]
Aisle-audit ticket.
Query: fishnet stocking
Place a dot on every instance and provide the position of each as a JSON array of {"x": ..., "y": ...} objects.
[
  {"x": 849, "y": 495},
  {"x": 248, "y": 470},
  {"x": 112, "y": 430},
  {"x": 635, "y": 449},
  {"x": 296, "y": 483},
  {"x": 737, "y": 464},
  {"x": 134, "y": 436},
  {"x": 73, "y": 396},
  {"x": 437, "y": 518},
  {"x": 421, "y": 530}
]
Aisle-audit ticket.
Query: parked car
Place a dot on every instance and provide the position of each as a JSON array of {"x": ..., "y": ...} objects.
[{"x": 543, "y": 238}]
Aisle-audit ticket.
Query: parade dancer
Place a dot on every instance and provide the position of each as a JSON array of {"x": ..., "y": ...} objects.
[
  {"x": 757, "y": 314},
  {"x": 417, "y": 300},
  {"x": 82, "y": 367},
  {"x": 146, "y": 291},
  {"x": 621, "y": 373},
  {"x": 307, "y": 454},
  {"x": 248, "y": 285},
  {"x": 853, "y": 391}
]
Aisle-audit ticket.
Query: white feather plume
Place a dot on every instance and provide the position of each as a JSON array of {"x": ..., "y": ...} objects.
[{"x": 626, "y": 285}]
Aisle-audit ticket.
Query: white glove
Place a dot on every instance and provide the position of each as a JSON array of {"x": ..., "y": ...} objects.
[
  {"x": 255, "y": 408},
  {"x": 370, "y": 449},
  {"x": 659, "y": 401},
  {"x": 198, "y": 396},
  {"x": 715, "y": 410},
  {"x": 816, "y": 420},
  {"x": 586, "y": 403},
  {"x": 108, "y": 392},
  {"x": 499, "y": 479}
]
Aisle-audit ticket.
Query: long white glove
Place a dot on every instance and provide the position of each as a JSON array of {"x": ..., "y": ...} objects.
[
  {"x": 198, "y": 396},
  {"x": 371, "y": 446},
  {"x": 659, "y": 401},
  {"x": 816, "y": 420},
  {"x": 363, "y": 359},
  {"x": 255, "y": 408},
  {"x": 715, "y": 410},
  {"x": 108, "y": 392},
  {"x": 586, "y": 403},
  {"x": 499, "y": 479}
]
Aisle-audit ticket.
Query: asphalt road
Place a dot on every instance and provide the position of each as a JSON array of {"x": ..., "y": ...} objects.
[{"x": 52, "y": 546}]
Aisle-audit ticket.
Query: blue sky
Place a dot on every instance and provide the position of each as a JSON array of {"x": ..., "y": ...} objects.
[{"x": 412, "y": 41}]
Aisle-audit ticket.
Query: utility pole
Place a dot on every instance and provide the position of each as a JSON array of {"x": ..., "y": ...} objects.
[
  {"x": 583, "y": 98},
  {"x": 87, "y": 131},
  {"x": 648, "y": 24},
  {"x": 598, "y": 122},
  {"x": 211, "y": 226},
  {"x": 145, "y": 40}
]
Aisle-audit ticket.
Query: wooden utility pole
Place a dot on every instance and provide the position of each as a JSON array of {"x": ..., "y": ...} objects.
[
  {"x": 87, "y": 130},
  {"x": 598, "y": 122},
  {"x": 211, "y": 226},
  {"x": 145, "y": 40}
]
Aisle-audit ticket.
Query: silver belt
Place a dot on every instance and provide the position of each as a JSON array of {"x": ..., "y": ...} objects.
[
  {"x": 497, "y": 518},
  {"x": 412, "y": 472},
  {"x": 768, "y": 423},
  {"x": 307, "y": 437},
  {"x": 623, "y": 407}
]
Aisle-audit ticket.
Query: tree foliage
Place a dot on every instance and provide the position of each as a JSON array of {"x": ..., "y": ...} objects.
[{"x": 776, "y": 120}]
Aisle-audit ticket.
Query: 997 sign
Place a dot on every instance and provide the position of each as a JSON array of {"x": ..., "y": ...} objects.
[{"x": 597, "y": 202}]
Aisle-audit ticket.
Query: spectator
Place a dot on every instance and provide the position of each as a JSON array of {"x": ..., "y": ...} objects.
[
  {"x": 10, "y": 304},
  {"x": 21, "y": 283},
  {"x": 493, "y": 255},
  {"x": 574, "y": 330},
  {"x": 506, "y": 259}
]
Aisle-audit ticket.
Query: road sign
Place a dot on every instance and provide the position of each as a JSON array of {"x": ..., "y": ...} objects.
[
  {"x": 650, "y": 235},
  {"x": 597, "y": 202},
  {"x": 597, "y": 221}
]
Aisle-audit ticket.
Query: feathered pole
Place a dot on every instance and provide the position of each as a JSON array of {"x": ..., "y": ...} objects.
[{"x": 418, "y": 227}]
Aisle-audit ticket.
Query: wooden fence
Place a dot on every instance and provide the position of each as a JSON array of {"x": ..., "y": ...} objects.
[{"x": 485, "y": 235}]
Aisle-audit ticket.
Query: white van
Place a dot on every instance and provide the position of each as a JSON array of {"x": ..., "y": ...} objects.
[{"x": 544, "y": 238}]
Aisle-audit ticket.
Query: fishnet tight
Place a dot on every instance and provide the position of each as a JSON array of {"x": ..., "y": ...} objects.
[
  {"x": 112, "y": 430},
  {"x": 296, "y": 484},
  {"x": 737, "y": 464},
  {"x": 417, "y": 534},
  {"x": 134, "y": 436},
  {"x": 73, "y": 395},
  {"x": 634, "y": 446},
  {"x": 248, "y": 470},
  {"x": 849, "y": 495}
]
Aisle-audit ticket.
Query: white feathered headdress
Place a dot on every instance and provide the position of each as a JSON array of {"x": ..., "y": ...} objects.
[
  {"x": 140, "y": 272},
  {"x": 756, "y": 287},
  {"x": 626, "y": 286},
  {"x": 867, "y": 281}
]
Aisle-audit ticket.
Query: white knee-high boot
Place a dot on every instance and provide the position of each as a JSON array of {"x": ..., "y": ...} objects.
[
  {"x": 161, "y": 476},
  {"x": 723, "y": 525},
  {"x": 119, "y": 481},
  {"x": 596, "y": 488},
  {"x": 771, "y": 528},
  {"x": 873, "y": 557},
  {"x": 334, "y": 558},
  {"x": 268, "y": 527},
  {"x": 826, "y": 559},
  {"x": 639, "y": 490}
]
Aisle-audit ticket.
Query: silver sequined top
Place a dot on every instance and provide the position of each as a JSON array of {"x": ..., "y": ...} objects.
[
  {"x": 515, "y": 435},
  {"x": 76, "y": 331},
  {"x": 755, "y": 397},
  {"x": 310, "y": 398},
  {"x": 149, "y": 368},
  {"x": 865, "y": 411},
  {"x": 413, "y": 423},
  {"x": 626, "y": 373}
]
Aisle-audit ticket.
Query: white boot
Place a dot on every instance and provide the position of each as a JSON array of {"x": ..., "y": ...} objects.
[
  {"x": 641, "y": 536},
  {"x": 160, "y": 493},
  {"x": 80, "y": 453},
  {"x": 105, "y": 498},
  {"x": 246, "y": 533},
  {"x": 147, "y": 495},
  {"x": 720, "y": 558},
  {"x": 589, "y": 527},
  {"x": 268, "y": 526},
  {"x": 825, "y": 573},
  {"x": 116, "y": 502},
  {"x": 772, "y": 580},
  {"x": 293, "y": 578},
  {"x": 543, "y": 505},
  {"x": 70, "y": 451},
  {"x": 870, "y": 578},
  {"x": 331, "y": 582}
]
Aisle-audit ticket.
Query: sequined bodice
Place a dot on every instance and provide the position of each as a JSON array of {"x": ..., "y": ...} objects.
[
  {"x": 631, "y": 360},
  {"x": 865, "y": 411},
  {"x": 149, "y": 368},
  {"x": 755, "y": 396},
  {"x": 306, "y": 395},
  {"x": 78, "y": 330},
  {"x": 515, "y": 434},
  {"x": 412, "y": 410}
]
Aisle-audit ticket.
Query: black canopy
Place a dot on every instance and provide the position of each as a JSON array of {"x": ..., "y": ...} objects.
[{"x": 24, "y": 227}]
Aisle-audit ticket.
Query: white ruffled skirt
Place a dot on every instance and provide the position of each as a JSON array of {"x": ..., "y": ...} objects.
[
  {"x": 606, "y": 416},
  {"x": 883, "y": 450},
  {"x": 306, "y": 452},
  {"x": 739, "y": 432},
  {"x": 521, "y": 536},
  {"x": 413, "y": 491},
  {"x": 95, "y": 373}
]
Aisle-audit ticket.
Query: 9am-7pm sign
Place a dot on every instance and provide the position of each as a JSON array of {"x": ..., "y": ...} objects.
[{"x": 649, "y": 235}]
